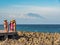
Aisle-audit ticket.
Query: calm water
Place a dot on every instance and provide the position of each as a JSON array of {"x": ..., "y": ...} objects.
[{"x": 37, "y": 28}]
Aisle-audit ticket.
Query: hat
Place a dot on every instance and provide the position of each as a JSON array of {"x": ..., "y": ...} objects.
[{"x": 13, "y": 20}]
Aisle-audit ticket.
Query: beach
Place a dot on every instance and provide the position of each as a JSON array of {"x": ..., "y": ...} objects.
[{"x": 33, "y": 38}]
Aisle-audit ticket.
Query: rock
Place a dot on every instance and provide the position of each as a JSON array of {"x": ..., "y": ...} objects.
[{"x": 34, "y": 38}]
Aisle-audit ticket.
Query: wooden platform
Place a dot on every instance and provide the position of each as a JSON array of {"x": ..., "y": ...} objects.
[{"x": 5, "y": 35}]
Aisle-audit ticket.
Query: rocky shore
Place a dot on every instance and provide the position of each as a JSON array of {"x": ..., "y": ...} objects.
[{"x": 33, "y": 38}]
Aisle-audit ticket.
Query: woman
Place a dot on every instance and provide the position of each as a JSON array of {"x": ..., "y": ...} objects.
[
  {"x": 12, "y": 26},
  {"x": 14, "y": 23},
  {"x": 5, "y": 25}
]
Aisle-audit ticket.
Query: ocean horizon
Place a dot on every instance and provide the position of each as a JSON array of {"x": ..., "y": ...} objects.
[{"x": 36, "y": 27}]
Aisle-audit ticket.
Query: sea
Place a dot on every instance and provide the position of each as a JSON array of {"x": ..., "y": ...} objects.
[{"x": 36, "y": 27}]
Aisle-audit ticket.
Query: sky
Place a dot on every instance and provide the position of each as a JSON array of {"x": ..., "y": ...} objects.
[{"x": 30, "y": 11}]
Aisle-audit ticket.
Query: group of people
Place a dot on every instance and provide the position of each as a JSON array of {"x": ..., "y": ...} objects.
[{"x": 10, "y": 27}]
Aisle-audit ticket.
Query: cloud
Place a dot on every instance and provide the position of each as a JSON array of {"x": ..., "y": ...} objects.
[
  {"x": 31, "y": 13},
  {"x": 34, "y": 15},
  {"x": 21, "y": 10}
]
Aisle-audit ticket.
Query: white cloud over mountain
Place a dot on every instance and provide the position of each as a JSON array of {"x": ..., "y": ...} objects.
[{"x": 30, "y": 12}]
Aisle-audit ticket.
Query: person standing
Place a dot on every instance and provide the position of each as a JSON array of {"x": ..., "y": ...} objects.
[
  {"x": 14, "y": 23},
  {"x": 12, "y": 26},
  {"x": 5, "y": 26}
]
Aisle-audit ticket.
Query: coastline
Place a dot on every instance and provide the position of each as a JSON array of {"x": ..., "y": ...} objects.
[{"x": 33, "y": 38}]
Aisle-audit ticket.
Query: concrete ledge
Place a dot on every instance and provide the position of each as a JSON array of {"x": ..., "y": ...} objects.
[{"x": 7, "y": 34}]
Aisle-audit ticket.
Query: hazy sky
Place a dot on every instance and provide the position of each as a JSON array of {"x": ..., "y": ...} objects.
[{"x": 30, "y": 11}]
